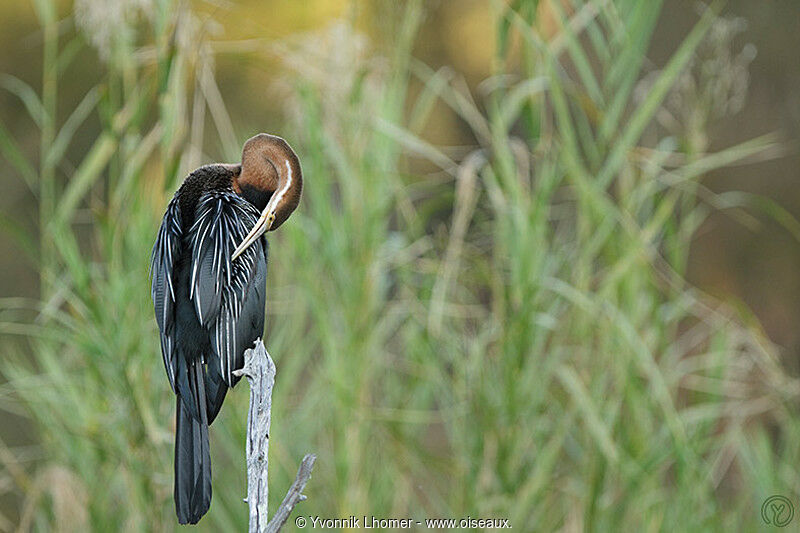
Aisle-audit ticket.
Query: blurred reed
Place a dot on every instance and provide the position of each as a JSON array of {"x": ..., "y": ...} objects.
[{"x": 498, "y": 330}]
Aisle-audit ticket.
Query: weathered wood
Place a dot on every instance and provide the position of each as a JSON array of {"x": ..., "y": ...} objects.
[
  {"x": 294, "y": 495},
  {"x": 259, "y": 369}
]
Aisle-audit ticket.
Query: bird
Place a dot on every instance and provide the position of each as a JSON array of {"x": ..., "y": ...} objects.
[{"x": 208, "y": 271}]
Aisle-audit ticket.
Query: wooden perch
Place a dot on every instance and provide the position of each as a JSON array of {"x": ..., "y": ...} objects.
[{"x": 259, "y": 369}]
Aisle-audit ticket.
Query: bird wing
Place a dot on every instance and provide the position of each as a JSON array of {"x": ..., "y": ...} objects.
[
  {"x": 162, "y": 261},
  {"x": 228, "y": 296}
]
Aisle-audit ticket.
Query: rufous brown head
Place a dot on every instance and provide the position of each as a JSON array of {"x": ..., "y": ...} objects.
[{"x": 272, "y": 180}]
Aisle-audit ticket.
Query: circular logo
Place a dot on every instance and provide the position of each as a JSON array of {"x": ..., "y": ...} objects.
[
  {"x": 777, "y": 510},
  {"x": 300, "y": 522}
]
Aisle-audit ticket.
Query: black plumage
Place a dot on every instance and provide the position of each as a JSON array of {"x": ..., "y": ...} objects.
[{"x": 209, "y": 310}]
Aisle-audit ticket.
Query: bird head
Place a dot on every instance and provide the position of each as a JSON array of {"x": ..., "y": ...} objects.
[{"x": 271, "y": 178}]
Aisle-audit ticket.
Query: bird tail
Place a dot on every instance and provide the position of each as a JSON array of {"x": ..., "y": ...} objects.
[{"x": 192, "y": 459}]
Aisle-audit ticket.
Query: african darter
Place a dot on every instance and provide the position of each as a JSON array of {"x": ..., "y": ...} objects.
[{"x": 209, "y": 294}]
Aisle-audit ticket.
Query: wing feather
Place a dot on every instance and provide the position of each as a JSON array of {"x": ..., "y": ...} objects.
[
  {"x": 162, "y": 261},
  {"x": 228, "y": 296}
]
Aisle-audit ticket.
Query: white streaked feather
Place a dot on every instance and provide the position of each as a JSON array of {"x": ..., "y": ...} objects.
[
  {"x": 222, "y": 220},
  {"x": 167, "y": 243}
]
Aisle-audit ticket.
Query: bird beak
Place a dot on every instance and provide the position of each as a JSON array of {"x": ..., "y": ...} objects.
[{"x": 263, "y": 224}]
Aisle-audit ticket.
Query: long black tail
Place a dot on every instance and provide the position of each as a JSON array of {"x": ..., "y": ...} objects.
[{"x": 192, "y": 459}]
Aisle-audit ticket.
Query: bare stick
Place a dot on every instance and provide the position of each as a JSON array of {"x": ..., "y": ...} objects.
[
  {"x": 259, "y": 369},
  {"x": 294, "y": 495},
  {"x": 260, "y": 372}
]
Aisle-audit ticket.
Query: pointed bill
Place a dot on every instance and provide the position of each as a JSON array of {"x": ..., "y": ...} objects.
[{"x": 264, "y": 224}]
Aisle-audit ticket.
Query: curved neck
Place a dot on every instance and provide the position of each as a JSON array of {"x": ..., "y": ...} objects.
[
  {"x": 271, "y": 177},
  {"x": 287, "y": 195}
]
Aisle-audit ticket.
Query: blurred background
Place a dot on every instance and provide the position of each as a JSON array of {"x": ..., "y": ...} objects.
[{"x": 544, "y": 268}]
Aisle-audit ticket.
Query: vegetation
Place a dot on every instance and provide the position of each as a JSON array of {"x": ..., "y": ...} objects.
[{"x": 497, "y": 330}]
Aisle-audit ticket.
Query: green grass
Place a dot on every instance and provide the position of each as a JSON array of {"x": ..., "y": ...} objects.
[{"x": 502, "y": 330}]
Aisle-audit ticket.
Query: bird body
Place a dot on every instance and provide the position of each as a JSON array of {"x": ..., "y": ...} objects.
[{"x": 209, "y": 295}]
